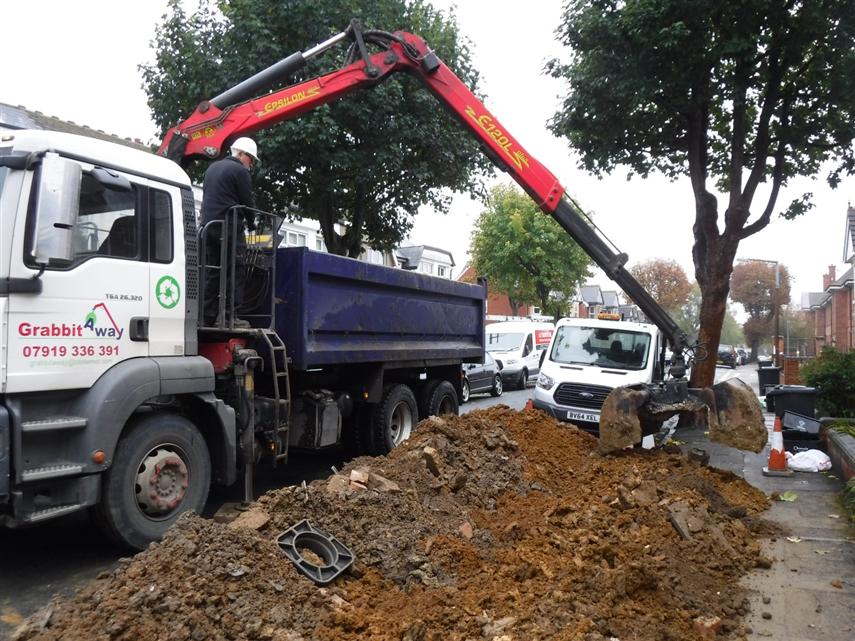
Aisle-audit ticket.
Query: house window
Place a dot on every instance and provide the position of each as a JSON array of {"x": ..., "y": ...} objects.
[
  {"x": 295, "y": 239},
  {"x": 426, "y": 268},
  {"x": 442, "y": 271},
  {"x": 319, "y": 244},
  {"x": 375, "y": 257}
]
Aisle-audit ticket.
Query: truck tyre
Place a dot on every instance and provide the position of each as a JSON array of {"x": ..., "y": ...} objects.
[
  {"x": 393, "y": 419},
  {"x": 165, "y": 454},
  {"x": 442, "y": 400},
  {"x": 523, "y": 379},
  {"x": 496, "y": 390}
]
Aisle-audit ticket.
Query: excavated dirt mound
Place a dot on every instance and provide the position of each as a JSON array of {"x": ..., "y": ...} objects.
[{"x": 497, "y": 525}]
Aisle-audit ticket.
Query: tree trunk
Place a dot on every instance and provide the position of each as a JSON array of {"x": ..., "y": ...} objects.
[
  {"x": 713, "y": 255},
  {"x": 515, "y": 306},
  {"x": 714, "y": 279}
]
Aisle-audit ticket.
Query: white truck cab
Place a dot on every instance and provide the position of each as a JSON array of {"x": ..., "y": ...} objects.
[
  {"x": 587, "y": 358},
  {"x": 517, "y": 345}
]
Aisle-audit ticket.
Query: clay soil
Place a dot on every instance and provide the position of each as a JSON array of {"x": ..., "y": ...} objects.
[{"x": 497, "y": 525}]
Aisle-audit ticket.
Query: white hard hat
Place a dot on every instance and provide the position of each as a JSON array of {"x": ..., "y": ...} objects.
[{"x": 247, "y": 146}]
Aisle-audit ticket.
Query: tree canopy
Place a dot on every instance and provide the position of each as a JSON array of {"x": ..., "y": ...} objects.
[
  {"x": 663, "y": 279},
  {"x": 525, "y": 254},
  {"x": 368, "y": 161},
  {"x": 730, "y": 94}
]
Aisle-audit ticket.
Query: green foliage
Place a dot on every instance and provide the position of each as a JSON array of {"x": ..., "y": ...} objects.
[
  {"x": 525, "y": 254},
  {"x": 645, "y": 72},
  {"x": 369, "y": 160},
  {"x": 832, "y": 373},
  {"x": 687, "y": 315},
  {"x": 731, "y": 94},
  {"x": 731, "y": 332},
  {"x": 842, "y": 427}
]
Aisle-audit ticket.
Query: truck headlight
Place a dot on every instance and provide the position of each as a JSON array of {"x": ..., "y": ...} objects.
[{"x": 544, "y": 381}]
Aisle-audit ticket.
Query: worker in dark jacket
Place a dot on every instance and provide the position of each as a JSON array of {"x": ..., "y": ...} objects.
[{"x": 226, "y": 193}]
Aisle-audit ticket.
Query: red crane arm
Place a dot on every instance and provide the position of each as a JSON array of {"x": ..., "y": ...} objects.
[
  {"x": 209, "y": 129},
  {"x": 215, "y": 123}
]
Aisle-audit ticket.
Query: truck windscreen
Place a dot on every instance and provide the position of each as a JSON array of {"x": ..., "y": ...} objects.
[{"x": 603, "y": 347}]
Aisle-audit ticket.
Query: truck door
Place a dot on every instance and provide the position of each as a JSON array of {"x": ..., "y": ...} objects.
[
  {"x": 89, "y": 314},
  {"x": 167, "y": 287}
]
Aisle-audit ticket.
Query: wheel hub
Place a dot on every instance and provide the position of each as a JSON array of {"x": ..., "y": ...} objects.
[
  {"x": 401, "y": 423},
  {"x": 161, "y": 482}
]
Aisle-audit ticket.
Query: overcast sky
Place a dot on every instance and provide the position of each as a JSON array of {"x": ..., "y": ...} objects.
[{"x": 78, "y": 61}]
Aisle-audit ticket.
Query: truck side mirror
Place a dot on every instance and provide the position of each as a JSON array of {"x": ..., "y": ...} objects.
[
  {"x": 57, "y": 205},
  {"x": 542, "y": 357},
  {"x": 111, "y": 180}
]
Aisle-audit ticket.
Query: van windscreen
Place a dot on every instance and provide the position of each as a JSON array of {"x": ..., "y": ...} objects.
[
  {"x": 603, "y": 347},
  {"x": 502, "y": 342}
]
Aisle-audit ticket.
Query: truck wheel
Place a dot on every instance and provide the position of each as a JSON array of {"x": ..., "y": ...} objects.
[
  {"x": 442, "y": 400},
  {"x": 523, "y": 379},
  {"x": 497, "y": 386},
  {"x": 393, "y": 419},
  {"x": 464, "y": 392},
  {"x": 160, "y": 470}
]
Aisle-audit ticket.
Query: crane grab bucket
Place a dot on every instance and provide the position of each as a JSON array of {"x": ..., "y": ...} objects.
[{"x": 729, "y": 409}]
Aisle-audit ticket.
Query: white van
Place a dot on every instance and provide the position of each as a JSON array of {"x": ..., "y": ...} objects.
[
  {"x": 517, "y": 345},
  {"x": 587, "y": 358}
]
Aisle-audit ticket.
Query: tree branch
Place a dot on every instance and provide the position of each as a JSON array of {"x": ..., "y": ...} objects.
[{"x": 761, "y": 144}]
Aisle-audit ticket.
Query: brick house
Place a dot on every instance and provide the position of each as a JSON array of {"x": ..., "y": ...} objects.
[{"x": 831, "y": 312}]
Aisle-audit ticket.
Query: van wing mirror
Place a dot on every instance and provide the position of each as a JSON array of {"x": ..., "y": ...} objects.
[
  {"x": 57, "y": 206},
  {"x": 542, "y": 357}
]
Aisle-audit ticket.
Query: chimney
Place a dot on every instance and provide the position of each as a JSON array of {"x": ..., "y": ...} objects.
[
  {"x": 832, "y": 274},
  {"x": 825, "y": 282}
]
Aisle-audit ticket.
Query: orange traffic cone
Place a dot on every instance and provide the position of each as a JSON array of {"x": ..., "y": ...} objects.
[
  {"x": 529, "y": 404},
  {"x": 777, "y": 459}
]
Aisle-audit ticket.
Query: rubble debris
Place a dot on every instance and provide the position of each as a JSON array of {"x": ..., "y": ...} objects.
[
  {"x": 566, "y": 544},
  {"x": 252, "y": 519}
]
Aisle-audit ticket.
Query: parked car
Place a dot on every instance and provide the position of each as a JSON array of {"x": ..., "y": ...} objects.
[
  {"x": 482, "y": 377},
  {"x": 726, "y": 356},
  {"x": 742, "y": 355},
  {"x": 764, "y": 360}
]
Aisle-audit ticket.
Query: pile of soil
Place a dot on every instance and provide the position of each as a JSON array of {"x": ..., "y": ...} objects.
[{"x": 499, "y": 525}]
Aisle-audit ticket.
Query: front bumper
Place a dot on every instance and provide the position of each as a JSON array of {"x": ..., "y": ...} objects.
[
  {"x": 510, "y": 372},
  {"x": 586, "y": 419}
]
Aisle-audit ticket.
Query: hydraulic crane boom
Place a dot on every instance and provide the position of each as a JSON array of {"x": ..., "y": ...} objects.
[
  {"x": 246, "y": 108},
  {"x": 236, "y": 112}
]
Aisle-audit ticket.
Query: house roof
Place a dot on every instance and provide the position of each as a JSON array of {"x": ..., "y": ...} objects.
[
  {"x": 591, "y": 295},
  {"x": 20, "y": 117},
  {"x": 610, "y": 299},
  {"x": 841, "y": 282},
  {"x": 812, "y": 300}
]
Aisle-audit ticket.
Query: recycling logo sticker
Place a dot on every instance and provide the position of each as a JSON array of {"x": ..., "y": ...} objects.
[{"x": 168, "y": 292}]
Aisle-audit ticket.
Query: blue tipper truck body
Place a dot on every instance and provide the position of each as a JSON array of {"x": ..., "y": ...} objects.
[{"x": 362, "y": 336}]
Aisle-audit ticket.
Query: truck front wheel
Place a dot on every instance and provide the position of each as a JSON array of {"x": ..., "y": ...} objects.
[
  {"x": 160, "y": 470},
  {"x": 393, "y": 419}
]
